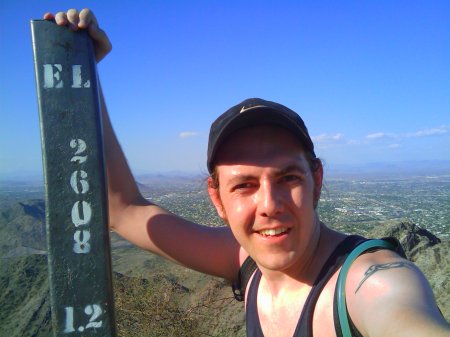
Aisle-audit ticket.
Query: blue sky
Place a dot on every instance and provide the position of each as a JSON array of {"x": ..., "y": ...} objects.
[{"x": 371, "y": 79}]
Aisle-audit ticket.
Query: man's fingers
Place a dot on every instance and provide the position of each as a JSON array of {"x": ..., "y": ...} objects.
[
  {"x": 48, "y": 16},
  {"x": 101, "y": 41},
  {"x": 61, "y": 18},
  {"x": 86, "y": 17},
  {"x": 73, "y": 18}
]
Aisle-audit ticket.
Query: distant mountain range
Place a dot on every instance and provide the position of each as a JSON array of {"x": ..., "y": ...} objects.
[
  {"x": 374, "y": 169},
  {"x": 390, "y": 169}
]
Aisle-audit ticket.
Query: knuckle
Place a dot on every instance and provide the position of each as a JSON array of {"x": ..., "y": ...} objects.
[
  {"x": 88, "y": 16},
  {"x": 72, "y": 14},
  {"x": 85, "y": 14},
  {"x": 85, "y": 17},
  {"x": 85, "y": 11},
  {"x": 60, "y": 17}
]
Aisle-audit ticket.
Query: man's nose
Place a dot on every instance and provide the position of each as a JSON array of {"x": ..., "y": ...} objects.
[{"x": 269, "y": 199}]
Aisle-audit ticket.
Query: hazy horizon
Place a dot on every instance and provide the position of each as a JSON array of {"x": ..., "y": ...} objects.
[
  {"x": 370, "y": 79},
  {"x": 392, "y": 169}
]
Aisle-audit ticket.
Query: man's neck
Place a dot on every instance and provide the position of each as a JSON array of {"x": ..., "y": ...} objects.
[{"x": 301, "y": 276}]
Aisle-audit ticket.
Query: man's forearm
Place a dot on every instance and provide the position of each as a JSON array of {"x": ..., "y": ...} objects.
[{"x": 122, "y": 188}]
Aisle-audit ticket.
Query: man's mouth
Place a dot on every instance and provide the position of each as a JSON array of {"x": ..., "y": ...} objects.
[{"x": 273, "y": 231}]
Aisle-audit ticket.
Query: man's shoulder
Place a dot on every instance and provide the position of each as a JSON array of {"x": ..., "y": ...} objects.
[
  {"x": 384, "y": 265},
  {"x": 384, "y": 283}
]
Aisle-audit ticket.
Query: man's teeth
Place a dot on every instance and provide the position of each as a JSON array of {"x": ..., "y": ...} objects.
[{"x": 272, "y": 232}]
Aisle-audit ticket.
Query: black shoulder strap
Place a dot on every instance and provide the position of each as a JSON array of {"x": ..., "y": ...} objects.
[
  {"x": 245, "y": 272},
  {"x": 343, "y": 324}
]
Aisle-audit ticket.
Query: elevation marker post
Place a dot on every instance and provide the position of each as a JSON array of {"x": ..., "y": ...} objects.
[{"x": 75, "y": 195}]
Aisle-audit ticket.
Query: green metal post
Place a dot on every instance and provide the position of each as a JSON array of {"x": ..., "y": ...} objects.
[{"x": 75, "y": 185}]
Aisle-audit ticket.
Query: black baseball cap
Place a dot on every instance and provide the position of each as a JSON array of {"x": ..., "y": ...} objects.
[{"x": 252, "y": 112}]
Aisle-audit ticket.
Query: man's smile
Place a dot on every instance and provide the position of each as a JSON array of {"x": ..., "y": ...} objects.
[{"x": 274, "y": 231}]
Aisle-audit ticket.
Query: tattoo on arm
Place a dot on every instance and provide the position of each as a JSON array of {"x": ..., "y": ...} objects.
[{"x": 377, "y": 267}]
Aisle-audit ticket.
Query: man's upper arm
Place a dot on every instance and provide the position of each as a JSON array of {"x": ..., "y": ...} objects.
[
  {"x": 389, "y": 296},
  {"x": 209, "y": 250}
]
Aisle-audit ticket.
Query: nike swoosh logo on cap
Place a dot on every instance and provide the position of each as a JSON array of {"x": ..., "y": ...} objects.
[{"x": 244, "y": 108}]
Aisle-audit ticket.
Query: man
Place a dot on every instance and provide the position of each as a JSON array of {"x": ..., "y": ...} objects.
[{"x": 265, "y": 184}]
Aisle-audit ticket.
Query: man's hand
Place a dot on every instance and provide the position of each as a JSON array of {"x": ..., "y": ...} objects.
[{"x": 84, "y": 20}]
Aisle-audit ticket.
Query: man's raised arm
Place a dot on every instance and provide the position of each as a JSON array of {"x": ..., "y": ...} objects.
[{"x": 210, "y": 250}]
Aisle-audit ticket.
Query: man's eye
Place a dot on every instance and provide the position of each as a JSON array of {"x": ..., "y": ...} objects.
[
  {"x": 291, "y": 178},
  {"x": 242, "y": 186}
]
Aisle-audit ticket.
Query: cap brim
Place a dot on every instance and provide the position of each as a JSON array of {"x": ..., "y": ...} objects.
[{"x": 254, "y": 117}]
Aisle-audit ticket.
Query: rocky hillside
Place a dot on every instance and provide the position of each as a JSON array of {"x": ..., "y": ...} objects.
[
  {"x": 154, "y": 306},
  {"x": 22, "y": 227},
  {"x": 154, "y": 298},
  {"x": 24, "y": 297}
]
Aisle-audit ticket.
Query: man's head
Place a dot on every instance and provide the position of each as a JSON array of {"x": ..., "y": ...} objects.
[{"x": 270, "y": 181}]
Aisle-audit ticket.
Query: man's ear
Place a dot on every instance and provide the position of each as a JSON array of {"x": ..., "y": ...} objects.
[
  {"x": 318, "y": 179},
  {"x": 214, "y": 195}
]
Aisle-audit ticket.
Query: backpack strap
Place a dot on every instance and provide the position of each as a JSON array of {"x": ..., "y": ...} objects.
[
  {"x": 343, "y": 324},
  {"x": 245, "y": 273}
]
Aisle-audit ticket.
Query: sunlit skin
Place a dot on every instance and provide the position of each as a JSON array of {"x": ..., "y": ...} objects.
[{"x": 266, "y": 194}]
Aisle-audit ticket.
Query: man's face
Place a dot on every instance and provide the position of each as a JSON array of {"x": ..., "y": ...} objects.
[{"x": 266, "y": 195}]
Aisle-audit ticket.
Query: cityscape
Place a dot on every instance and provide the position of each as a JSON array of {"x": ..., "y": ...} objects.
[{"x": 351, "y": 205}]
